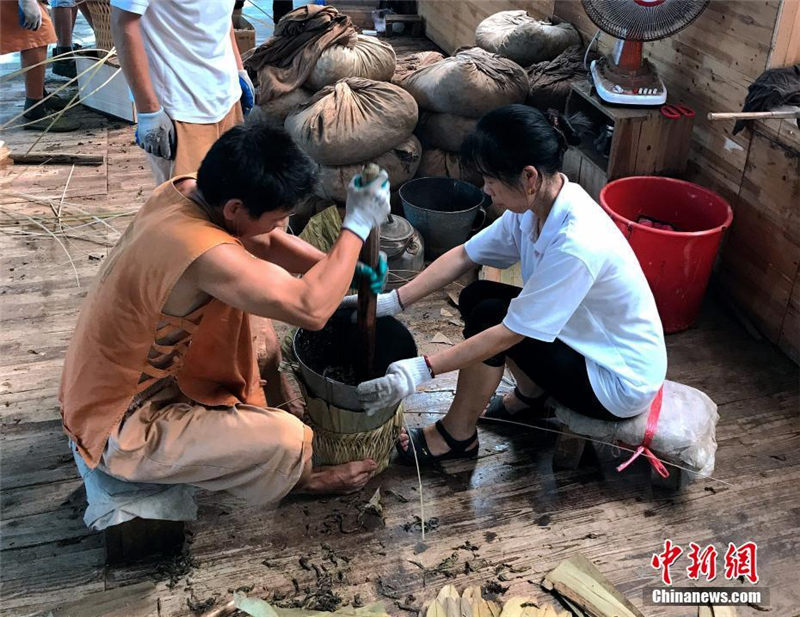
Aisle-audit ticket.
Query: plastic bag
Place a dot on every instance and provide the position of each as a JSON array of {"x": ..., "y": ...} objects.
[{"x": 685, "y": 434}]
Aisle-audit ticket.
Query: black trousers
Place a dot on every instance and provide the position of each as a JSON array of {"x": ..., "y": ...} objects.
[{"x": 555, "y": 366}]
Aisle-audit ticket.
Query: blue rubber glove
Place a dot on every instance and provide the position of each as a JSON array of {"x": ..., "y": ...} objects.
[
  {"x": 377, "y": 276},
  {"x": 248, "y": 92}
]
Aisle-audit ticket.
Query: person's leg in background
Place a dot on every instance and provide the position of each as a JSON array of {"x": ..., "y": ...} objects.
[
  {"x": 32, "y": 45},
  {"x": 64, "y": 14},
  {"x": 34, "y": 77}
]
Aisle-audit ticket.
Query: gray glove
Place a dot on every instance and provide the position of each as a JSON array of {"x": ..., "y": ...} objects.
[
  {"x": 367, "y": 206},
  {"x": 30, "y": 14},
  {"x": 155, "y": 134}
]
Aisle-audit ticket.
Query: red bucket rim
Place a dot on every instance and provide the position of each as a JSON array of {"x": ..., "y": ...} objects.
[{"x": 705, "y": 232}]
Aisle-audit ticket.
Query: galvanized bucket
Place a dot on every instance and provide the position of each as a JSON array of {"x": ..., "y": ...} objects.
[
  {"x": 336, "y": 345},
  {"x": 444, "y": 210}
]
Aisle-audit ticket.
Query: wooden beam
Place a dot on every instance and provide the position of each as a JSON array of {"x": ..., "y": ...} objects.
[{"x": 58, "y": 158}]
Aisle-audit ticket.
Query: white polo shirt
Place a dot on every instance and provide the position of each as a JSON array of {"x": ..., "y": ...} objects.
[
  {"x": 584, "y": 286},
  {"x": 189, "y": 49}
]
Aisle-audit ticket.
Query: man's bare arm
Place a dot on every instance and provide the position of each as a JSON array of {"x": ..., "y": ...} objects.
[
  {"x": 285, "y": 250},
  {"x": 126, "y": 29},
  {"x": 232, "y": 275}
]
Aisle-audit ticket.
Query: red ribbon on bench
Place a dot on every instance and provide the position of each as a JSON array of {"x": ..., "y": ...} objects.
[{"x": 649, "y": 433}]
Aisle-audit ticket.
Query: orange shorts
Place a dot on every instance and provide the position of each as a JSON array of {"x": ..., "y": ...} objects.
[{"x": 14, "y": 37}]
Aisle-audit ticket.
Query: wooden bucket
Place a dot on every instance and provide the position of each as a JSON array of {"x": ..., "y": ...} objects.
[{"x": 342, "y": 436}]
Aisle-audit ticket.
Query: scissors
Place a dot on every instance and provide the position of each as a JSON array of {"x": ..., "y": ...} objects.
[{"x": 673, "y": 112}]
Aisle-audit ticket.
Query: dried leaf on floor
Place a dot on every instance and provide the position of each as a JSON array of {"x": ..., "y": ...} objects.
[
  {"x": 445, "y": 313},
  {"x": 255, "y": 607},
  {"x": 441, "y": 338},
  {"x": 374, "y": 506}
]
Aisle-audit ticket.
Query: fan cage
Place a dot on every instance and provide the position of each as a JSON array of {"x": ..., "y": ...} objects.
[{"x": 643, "y": 20}]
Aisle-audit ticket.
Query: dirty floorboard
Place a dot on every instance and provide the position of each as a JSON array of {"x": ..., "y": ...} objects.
[{"x": 508, "y": 517}]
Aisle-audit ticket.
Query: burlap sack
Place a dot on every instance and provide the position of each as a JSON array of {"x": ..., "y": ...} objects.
[
  {"x": 468, "y": 84},
  {"x": 276, "y": 110},
  {"x": 370, "y": 58},
  {"x": 410, "y": 62},
  {"x": 353, "y": 120},
  {"x": 524, "y": 39},
  {"x": 440, "y": 163},
  {"x": 551, "y": 80},
  {"x": 401, "y": 163},
  {"x": 444, "y": 131}
]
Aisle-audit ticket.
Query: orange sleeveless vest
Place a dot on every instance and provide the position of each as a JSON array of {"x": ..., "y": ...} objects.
[{"x": 113, "y": 354}]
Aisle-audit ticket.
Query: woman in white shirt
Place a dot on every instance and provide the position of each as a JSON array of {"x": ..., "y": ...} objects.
[{"x": 583, "y": 329}]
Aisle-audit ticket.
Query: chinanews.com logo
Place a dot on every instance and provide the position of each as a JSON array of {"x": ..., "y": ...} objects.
[{"x": 738, "y": 563}]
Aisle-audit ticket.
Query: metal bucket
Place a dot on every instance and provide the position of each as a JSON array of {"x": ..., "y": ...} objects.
[
  {"x": 403, "y": 246},
  {"x": 445, "y": 211},
  {"x": 336, "y": 345}
]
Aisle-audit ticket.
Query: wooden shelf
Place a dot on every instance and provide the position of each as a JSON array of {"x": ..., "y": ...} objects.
[{"x": 644, "y": 142}]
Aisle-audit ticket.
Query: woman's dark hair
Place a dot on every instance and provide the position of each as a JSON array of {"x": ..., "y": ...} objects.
[
  {"x": 259, "y": 164},
  {"x": 509, "y": 138}
]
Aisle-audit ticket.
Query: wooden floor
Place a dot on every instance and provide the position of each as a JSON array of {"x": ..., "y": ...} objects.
[{"x": 507, "y": 518}]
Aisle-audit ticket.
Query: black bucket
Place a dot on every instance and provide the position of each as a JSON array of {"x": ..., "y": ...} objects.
[{"x": 445, "y": 211}]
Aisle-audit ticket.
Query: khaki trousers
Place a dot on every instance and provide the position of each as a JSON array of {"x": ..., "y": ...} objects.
[
  {"x": 252, "y": 452},
  {"x": 192, "y": 143}
]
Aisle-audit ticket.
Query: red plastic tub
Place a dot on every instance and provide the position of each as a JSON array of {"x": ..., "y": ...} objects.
[{"x": 677, "y": 263}]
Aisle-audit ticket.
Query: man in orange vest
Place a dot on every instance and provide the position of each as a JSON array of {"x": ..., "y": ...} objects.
[{"x": 160, "y": 381}]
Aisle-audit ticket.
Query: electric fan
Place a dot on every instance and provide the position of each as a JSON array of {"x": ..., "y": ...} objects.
[{"x": 624, "y": 77}]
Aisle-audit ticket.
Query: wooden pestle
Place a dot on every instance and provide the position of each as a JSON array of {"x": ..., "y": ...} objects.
[{"x": 367, "y": 301}]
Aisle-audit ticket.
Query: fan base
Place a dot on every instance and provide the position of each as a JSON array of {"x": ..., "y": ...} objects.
[{"x": 614, "y": 85}]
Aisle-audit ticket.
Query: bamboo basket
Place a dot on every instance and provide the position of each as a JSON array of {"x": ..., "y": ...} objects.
[
  {"x": 342, "y": 436},
  {"x": 100, "y": 10}
]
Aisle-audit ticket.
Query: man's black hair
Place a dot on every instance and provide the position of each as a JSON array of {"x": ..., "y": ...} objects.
[
  {"x": 509, "y": 138},
  {"x": 259, "y": 164}
]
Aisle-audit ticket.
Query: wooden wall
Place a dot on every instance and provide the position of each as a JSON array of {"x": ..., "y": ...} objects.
[
  {"x": 760, "y": 265},
  {"x": 786, "y": 41},
  {"x": 709, "y": 66}
]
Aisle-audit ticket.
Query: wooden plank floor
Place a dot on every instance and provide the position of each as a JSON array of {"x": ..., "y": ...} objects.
[{"x": 507, "y": 518}]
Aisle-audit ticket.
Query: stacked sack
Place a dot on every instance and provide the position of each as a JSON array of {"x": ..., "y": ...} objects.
[
  {"x": 551, "y": 80},
  {"x": 551, "y": 51},
  {"x": 413, "y": 61},
  {"x": 313, "y": 47},
  {"x": 525, "y": 40},
  {"x": 453, "y": 94},
  {"x": 330, "y": 88},
  {"x": 353, "y": 122}
]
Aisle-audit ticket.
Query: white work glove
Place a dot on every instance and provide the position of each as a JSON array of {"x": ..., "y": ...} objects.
[
  {"x": 367, "y": 206},
  {"x": 155, "y": 134},
  {"x": 30, "y": 14},
  {"x": 248, "y": 98},
  {"x": 387, "y": 304},
  {"x": 402, "y": 379}
]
